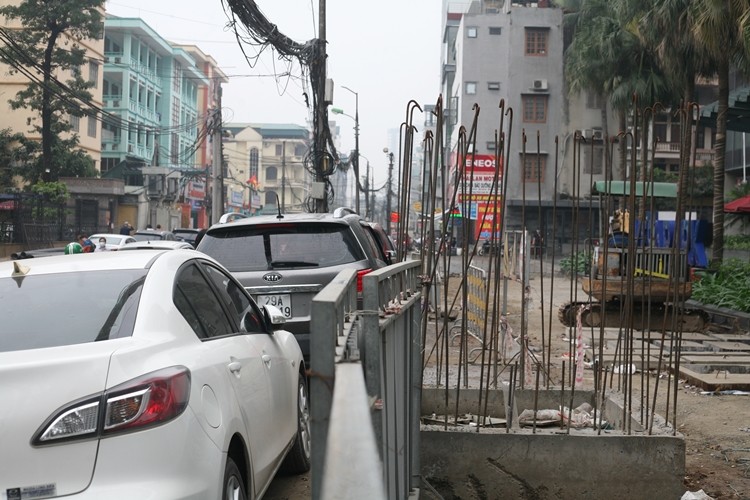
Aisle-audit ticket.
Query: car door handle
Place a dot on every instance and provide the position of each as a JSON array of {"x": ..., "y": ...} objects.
[
  {"x": 235, "y": 367},
  {"x": 266, "y": 359}
]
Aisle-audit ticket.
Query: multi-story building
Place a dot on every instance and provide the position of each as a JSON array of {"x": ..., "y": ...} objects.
[
  {"x": 497, "y": 50},
  {"x": 282, "y": 179},
  {"x": 195, "y": 186},
  {"x": 151, "y": 87},
  {"x": 509, "y": 52},
  {"x": 242, "y": 151}
]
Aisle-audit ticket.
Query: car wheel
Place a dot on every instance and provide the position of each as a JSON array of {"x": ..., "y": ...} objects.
[
  {"x": 234, "y": 487},
  {"x": 297, "y": 460}
]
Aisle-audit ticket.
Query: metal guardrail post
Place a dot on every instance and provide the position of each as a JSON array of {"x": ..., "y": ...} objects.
[
  {"x": 352, "y": 467},
  {"x": 329, "y": 308},
  {"x": 391, "y": 326}
]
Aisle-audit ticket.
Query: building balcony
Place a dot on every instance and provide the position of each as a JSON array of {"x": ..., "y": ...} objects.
[{"x": 672, "y": 150}]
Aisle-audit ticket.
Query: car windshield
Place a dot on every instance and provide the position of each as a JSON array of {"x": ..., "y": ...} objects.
[
  {"x": 276, "y": 246},
  {"x": 78, "y": 308}
]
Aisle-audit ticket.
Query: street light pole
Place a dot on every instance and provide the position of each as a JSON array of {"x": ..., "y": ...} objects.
[
  {"x": 356, "y": 144},
  {"x": 388, "y": 194}
]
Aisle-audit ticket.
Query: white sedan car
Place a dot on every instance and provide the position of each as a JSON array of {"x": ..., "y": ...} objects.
[
  {"x": 114, "y": 241},
  {"x": 144, "y": 374}
]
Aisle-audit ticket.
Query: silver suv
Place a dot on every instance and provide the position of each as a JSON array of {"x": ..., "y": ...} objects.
[{"x": 285, "y": 260}]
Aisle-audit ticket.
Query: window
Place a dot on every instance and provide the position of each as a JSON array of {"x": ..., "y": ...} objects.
[
  {"x": 534, "y": 167},
  {"x": 279, "y": 150},
  {"x": 270, "y": 198},
  {"x": 94, "y": 73},
  {"x": 236, "y": 300},
  {"x": 594, "y": 164},
  {"x": 471, "y": 32},
  {"x": 536, "y": 41},
  {"x": 594, "y": 100},
  {"x": 75, "y": 122},
  {"x": 491, "y": 145},
  {"x": 534, "y": 108},
  {"x": 471, "y": 88},
  {"x": 199, "y": 306},
  {"x": 493, "y": 85},
  {"x": 92, "y": 126},
  {"x": 253, "y": 163},
  {"x": 496, "y": 30},
  {"x": 271, "y": 173}
]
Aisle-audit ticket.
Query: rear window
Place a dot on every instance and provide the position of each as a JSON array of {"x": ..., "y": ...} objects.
[
  {"x": 147, "y": 236},
  {"x": 75, "y": 308},
  {"x": 282, "y": 246}
]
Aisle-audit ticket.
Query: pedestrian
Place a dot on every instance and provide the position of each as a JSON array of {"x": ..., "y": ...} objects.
[
  {"x": 125, "y": 228},
  {"x": 87, "y": 245},
  {"x": 72, "y": 248},
  {"x": 102, "y": 245}
]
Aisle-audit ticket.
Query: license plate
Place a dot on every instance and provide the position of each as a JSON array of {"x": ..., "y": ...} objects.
[{"x": 282, "y": 301}]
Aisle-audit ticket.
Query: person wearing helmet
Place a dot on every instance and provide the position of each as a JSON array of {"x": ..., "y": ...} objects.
[{"x": 72, "y": 248}]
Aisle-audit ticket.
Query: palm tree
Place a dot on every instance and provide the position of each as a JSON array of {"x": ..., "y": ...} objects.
[
  {"x": 722, "y": 27},
  {"x": 607, "y": 56}
]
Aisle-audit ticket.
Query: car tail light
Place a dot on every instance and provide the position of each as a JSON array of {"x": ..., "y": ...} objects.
[
  {"x": 361, "y": 273},
  {"x": 145, "y": 401}
]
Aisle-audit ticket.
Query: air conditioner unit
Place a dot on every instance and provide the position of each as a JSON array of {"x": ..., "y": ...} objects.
[
  {"x": 597, "y": 134},
  {"x": 115, "y": 104},
  {"x": 539, "y": 85},
  {"x": 118, "y": 60}
]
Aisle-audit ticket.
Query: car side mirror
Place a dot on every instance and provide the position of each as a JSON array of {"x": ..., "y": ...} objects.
[{"x": 274, "y": 317}]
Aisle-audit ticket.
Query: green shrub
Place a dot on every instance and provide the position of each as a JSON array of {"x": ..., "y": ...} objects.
[
  {"x": 728, "y": 286},
  {"x": 578, "y": 263},
  {"x": 737, "y": 242}
]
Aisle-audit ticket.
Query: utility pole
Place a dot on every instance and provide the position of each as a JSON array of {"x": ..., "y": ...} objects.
[
  {"x": 372, "y": 193},
  {"x": 217, "y": 191},
  {"x": 356, "y": 145},
  {"x": 321, "y": 204},
  {"x": 367, "y": 192},
  {"x": 388, "y": 194},
  {"x": 283, "y": 176}
]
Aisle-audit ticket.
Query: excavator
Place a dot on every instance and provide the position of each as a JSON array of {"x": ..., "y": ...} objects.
[{"x": 643, "y": 270}]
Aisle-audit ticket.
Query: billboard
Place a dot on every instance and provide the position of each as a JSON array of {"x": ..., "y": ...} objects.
[{"x": 478, "y": 191}]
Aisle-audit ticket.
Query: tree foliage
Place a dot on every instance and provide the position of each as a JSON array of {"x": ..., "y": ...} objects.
[
  {"x": 48, "y": 47},
  {"x": 14, "y": 148},
  {"x": 655, "y": 50}
]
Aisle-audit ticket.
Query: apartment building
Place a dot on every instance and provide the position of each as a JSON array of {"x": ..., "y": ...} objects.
[
  {"x": 275, "y": 159},
  {"x": 506, "y": 52},
  {"x": 151, "y": 88}
]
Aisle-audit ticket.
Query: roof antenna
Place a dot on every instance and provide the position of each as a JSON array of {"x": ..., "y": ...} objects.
[{"x": 278, "y": 205}]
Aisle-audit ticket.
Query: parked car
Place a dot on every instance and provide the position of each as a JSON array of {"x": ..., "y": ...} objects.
[
  {"x": 158, "y": 245},
  {"x": 187, "y": 234},
  {"x": 231, "y": 217},
  {"x": 114, "y": 241},
  {"x": 384, "y": 241},
  {"x": 144, "y": 374},
  {"x": 153, "y": 234},
  {"x": 286, "y": 261}
]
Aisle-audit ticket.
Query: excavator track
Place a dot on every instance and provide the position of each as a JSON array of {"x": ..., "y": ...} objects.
[{"x": 658, "y": 317}]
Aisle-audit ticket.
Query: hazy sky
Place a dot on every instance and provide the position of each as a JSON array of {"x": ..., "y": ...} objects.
[{"x": 388, "y": 51}]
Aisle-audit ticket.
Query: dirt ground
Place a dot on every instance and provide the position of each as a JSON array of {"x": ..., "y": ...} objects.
[{"x": 716, "y": 427}]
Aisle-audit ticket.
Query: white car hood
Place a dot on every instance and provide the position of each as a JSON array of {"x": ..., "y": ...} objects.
[{"x": 34, "y": 384}]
